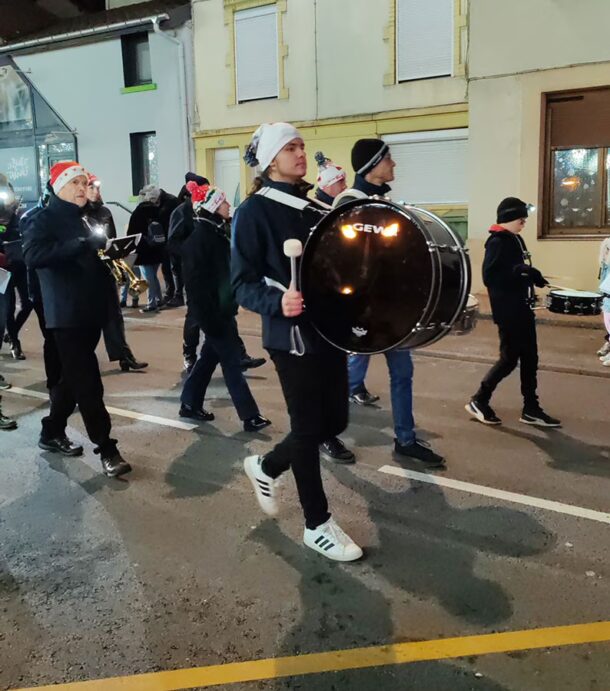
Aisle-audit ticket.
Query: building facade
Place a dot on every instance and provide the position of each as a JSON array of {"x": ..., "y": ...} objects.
[
  {"x": 540, "y": 128},
  {"x": 118, "y": 97},
  {"x": 340, "y": 70}
]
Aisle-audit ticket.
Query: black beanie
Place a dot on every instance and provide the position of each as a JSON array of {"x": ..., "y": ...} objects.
[
  {"x": 366, "y": 154},
  {"x": 510, "y": 209},
  {"x": 199, "y": 179}
]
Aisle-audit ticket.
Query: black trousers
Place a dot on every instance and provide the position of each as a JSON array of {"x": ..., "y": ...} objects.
[
  {"x": 176, "y": 264},
  {"x": 190, "y": 334},
  {"x": 168, "y": 277},
  {"x": 15, "y": 320},
  {"x": 316, "y": 393},
  {"x": 52, "y": 363},
  {"x": 79, "y": 384},
  {"x": 114, "y": 334},
  {"x": 518, "y": 345}
]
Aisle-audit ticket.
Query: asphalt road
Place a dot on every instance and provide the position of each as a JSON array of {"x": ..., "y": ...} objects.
[{"x": 177, "y": 568}]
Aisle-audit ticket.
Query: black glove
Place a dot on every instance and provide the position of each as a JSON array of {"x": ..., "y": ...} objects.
[
  {"x": 96, "y": 242},
  {"x": 537, "y": 278}
]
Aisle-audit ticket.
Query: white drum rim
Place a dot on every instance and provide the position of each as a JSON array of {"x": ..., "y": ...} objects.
[{"x": 576, "y": 294}]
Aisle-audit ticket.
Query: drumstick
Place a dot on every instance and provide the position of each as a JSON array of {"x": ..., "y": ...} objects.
[
  {"x": 553, "y": 285},
  {"x": 292, "y": 249}
]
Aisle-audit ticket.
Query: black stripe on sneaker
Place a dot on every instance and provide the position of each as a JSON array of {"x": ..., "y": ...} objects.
[
  {"x": 320, "y": 539},
  {"x": 329, "y": 546}
]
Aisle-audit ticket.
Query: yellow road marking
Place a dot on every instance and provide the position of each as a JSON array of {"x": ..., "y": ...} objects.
[{"x": 355, "y": 658}]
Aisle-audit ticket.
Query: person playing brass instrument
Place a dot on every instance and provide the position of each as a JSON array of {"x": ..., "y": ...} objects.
[
  {"x": 75, "y": 288},
  {"x": 99, "y": 218}
]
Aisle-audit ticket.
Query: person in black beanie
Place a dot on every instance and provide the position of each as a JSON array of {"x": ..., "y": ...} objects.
[
  {"x": 374, "y": 168},
  {"x": 510, "y": 278}
]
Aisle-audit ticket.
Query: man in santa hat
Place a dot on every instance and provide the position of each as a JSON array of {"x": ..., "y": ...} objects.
[{"x": 75, "y": 288}]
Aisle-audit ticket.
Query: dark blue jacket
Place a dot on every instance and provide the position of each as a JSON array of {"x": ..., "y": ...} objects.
[
  {"x": 323, "y": 197},
  {"x": 74, "y": 283},
  {"x": 368, "y": 188},
  {"x": 260, "y": 227}
]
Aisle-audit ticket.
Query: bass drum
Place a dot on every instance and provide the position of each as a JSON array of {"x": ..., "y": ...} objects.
[{"x": 376, "y": 275}]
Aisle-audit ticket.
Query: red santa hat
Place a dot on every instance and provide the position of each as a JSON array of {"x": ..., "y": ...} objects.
[
  {"x": 64, "y": 171},
  {"x": 205, "y": 197},
  {"x": 328, "y": 172}
]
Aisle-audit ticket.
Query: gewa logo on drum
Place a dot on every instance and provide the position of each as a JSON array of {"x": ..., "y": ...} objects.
[{"x": 350, "y": 231}]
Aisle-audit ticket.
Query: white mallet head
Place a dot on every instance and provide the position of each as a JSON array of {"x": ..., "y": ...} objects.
[{"x": 293, "y": 248}]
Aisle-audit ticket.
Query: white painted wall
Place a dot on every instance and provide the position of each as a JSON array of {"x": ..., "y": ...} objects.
[
  {"x": 83, "y": 84},
  {"x": 520, "y": 35}
]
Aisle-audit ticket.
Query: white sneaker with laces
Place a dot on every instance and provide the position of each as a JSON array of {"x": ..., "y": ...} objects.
[
  {"x": 606, "y": 361},
  {"x": 264, "y": 486},
  {"x": 328, "y": 539}
]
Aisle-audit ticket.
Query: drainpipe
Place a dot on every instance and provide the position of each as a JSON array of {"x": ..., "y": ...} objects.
[
  {"x": 84, "y": 33},
  {"x": 184, "y": 125}
]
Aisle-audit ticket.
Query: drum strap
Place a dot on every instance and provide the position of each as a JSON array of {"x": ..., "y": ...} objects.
[
  {"x": 297, "y": 345},
  {"x": 290, "y": 200}
]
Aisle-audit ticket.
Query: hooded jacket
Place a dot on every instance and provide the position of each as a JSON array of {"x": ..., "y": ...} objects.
[
  {"x": 97, "y": 213},
  {"x": 508, "y": 278}
]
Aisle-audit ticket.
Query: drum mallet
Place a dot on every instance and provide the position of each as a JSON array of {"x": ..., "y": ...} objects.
[{"x": 293, "y": 249}]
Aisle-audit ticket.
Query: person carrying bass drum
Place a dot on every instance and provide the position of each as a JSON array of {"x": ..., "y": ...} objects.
[
  {"x": 312, "y": 373},
  {"x": 510, "y": 279}
]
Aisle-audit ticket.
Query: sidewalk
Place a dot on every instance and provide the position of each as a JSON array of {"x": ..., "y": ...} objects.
[{"x": 564, "y": 347}]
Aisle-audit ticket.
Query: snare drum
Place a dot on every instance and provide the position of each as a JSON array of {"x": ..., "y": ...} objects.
[
  {"x": 581, "y": 302},
  {"x": 466, "y": 322}
]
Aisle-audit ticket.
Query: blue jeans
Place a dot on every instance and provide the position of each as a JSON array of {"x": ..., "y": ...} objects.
[
  {"x": 125, "y": 288},
  {"x": 226, "y": 350},
  {"x": 400, "y": 367},
  {"x": 154, "y": 287}
]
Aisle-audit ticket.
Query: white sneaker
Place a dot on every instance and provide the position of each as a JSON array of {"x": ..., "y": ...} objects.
[
  {"x": 604, "y": 350},
  {"x": 264, "y": 486},
  {"x": 332, "y": 542},
  {"x": 606, "y": 361}
]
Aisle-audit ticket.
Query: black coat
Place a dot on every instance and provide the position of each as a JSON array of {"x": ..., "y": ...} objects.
[
  {"x": 98, "y": 214},
  {"x": 145, "y": 213},
  {"x": 206, "y": 268},
  {"x": 508, "y": 278},
  {"x": 260, "y": 226},
  {"x": 11, "y": 247},
  {"x": 180, "y": 226},
  {"x": 74, "y": 283}
]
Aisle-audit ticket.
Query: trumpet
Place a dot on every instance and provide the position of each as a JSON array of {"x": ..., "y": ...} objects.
[{"x": 123, "y": 273}]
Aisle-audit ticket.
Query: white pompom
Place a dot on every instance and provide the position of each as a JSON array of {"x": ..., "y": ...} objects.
[{"x": 293, "y": 248}]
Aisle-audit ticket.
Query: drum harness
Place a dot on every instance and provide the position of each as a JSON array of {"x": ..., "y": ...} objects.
[
  {"x": 297, "y": 345},
  {"x": 527, "y": 259}
]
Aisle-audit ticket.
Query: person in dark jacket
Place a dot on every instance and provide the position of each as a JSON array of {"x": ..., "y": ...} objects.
[
  {"x": 75, "y": 286},
  {"x": 174, "y": 287},
  {"x": 98, "y": 218},
  {"x": 510, "y": 279},
  {"x": 180, "y": 227},
  {"x": 374, "y": 168},
  {"x": 207, "y": 276},
  {"x": 330, "y": 181},
  {"x": 151, "y": 250},
  {"x": 312, "y": 373},
  {"x": 10, "y": 248}
]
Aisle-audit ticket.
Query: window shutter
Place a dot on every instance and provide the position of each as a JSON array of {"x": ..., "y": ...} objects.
[
  {"x": 430, "y": 167},
  {"x": 424, "y": 39},
  {"x": 256, "y": 59}
]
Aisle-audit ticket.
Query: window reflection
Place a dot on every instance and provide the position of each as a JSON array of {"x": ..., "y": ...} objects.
[
  {"x": 15, "y": 103},
  {"x": 576, "y": 198}
]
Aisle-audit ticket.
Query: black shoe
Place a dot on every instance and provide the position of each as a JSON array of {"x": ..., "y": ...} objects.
[
  {"x": 256, "y": 423},
  {"x": 123, "y": 304},
  {"x": 336, "y": 451},
  {"x": 537, "y": 416},
  {"x": 363, "y": 398},
  {"x": 420, "y": 454},
  {"x": 60, "y": 445},
  {"x": 16, "y": 351},
  {"x": 483, "y": 412},
  {"x": 149, "y": 308},
  {"x": 201, "y": 414},
  {"x": 115, "y": 465},
  {"x": 176, "y": 301},
  {"x": 4, "y": 384},
  {"x": 249, "y": 362},
  {"x": 135, "y": 304},
  {"x": 189, "y": 362},
  {"x": 7, "y": 422},
  {"x": 131, "y": 363}
]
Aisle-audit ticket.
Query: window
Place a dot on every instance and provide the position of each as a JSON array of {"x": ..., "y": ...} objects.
[
  {"x": 136, "y": 59},
  {"x": 424, "y": 39},
  {"x": 256, "y": 53},
  {"x": 144, "y": 164},
  {"x": 15, "y": 101},
  {"x": 431, "y": 166},
  {"x": 575, "y": 170}
]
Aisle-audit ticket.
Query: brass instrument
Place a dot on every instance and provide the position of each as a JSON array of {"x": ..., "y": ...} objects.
[{"x": 123, "y": 273}]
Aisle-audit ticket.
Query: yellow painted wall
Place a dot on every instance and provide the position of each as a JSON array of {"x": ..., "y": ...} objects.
[{"x": 334, "y": 137}]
